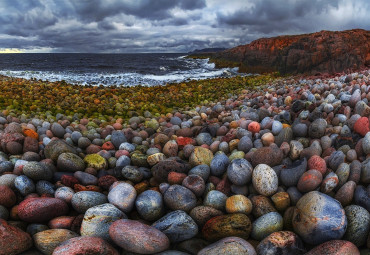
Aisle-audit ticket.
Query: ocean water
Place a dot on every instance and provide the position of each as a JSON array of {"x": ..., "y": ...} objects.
[{"x": 110, "y": 69}]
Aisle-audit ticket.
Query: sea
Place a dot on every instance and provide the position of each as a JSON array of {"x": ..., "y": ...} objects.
[{"x": 147, "y": 69}]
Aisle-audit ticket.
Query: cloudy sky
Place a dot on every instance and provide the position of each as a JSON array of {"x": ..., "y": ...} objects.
[{"x": 127, "y": 26}]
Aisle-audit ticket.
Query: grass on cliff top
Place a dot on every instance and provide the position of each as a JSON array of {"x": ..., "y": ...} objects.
[{"x": 36, "y": 98}]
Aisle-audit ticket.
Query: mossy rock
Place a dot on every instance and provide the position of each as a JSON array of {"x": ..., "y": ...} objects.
[
  {"x": 139, "y": 159},
  {"x": 96, "y": 161}
]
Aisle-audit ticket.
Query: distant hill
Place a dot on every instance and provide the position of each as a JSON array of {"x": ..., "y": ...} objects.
[{"x": 321, "y": 52}]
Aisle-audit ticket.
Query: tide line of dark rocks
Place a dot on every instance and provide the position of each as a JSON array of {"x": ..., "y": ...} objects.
[{"x": 284, "y": 169}]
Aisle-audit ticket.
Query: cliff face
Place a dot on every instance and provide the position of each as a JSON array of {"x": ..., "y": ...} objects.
[{"x": 319, "y": 52}]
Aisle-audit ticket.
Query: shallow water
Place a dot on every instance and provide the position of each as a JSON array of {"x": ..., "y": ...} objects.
[{"x": 110, "y": 69}]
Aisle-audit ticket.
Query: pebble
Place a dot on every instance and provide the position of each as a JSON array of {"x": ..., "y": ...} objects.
[
  {"x": 177, "y": 225},
  {"x": 69, "y": 162},
  {"x": 266, "y": 225},
  {"x": 239, "y": 172},
  {"x": 126, "y": 233},
  {"x": 36, "y": 171},
  {"x": 309, "y": 181},
  {"x": 7, "y": 197},
  {"x": 228, "y": 225},
  {"x": 123, "y": 196},
  {"x": 281, "y": 242},
  {"x": 38, "y": 210},
  {"x": 319, "y": 218},
  {"x": 201, "y": 156},
  {"x": 358, "y": 225},
  {"x": 46, "y": 241},
  {"x": 83, "y": 200},
  {"x": 291, "y": 174},
  {"x": 215, "y": 199},
  {"x": 335, "y": 247},
  {"x": 12, "y": 239},
  {"x": 201, "y": 214},
  {"x": 85, "y": 245},
  {"x": 178, "y": 197},
  {"x": 219, "y": 164},
  {"x": 229, "y": 246},
  {"x": 238, "y": 204},
  {"x": 150, "y": 205},
  {"x": 264, "y": 180}
]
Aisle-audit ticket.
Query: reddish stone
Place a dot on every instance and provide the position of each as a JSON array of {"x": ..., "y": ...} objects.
[
  {"x": 14, "y": 148},
  {"x": 30, "y": 133},
  {"x": 328, "y": 152},
  {"x": 92, "y": 149},
  {"x": 309, "y": 181},
  {"x": 120, "y": 153},
  {"x": 13, "y": 240},
  {"x": 254, "y": 127},
  {"x": 214, "y": 180},
  {"x": 108, "y": 146},
  {"x": 318, "y": 163},
  {"x": 77, "y": 222},
  {"x": 362, "y": 126},
  {"x": 182, "y": 141},
  {"x": 30, "y": 144},
  {"x": 85, "y": 245},
  {"x": 64, "y": 222},
  {"x": 117, "y": 126},
  {"x": 335, "y": 247},
  {"x": 69, "y": 180},
  {"x": 106, "y": 181},
  {"x": 7, "y": 196},
  {"x": 37, "y": 210},
  {"x": 79, "y": 187},
  {"x": 224, "y": 186},
  {"x": 176, "y": 178}
]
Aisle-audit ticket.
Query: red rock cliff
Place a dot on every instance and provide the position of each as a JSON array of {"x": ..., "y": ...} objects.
[{"x": 324, "y": 51}]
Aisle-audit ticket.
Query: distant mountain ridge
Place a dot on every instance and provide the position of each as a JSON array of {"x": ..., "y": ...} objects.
[
  {"x": 207, "y": 50},
  {"x": 321, "y": 52}
]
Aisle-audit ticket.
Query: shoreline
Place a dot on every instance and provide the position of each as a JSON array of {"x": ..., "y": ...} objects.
[{"x": 260, "y": 164}]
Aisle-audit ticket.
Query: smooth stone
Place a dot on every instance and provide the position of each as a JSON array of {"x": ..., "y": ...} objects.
[
  {"x": 36, "y": 171},
  {"x": 261, "y": 205},
  {"x": 319, "y": 218},
  {"x": 245, "y": 144},
  {"x": 309, "y": 181},
  {"x": 137, "y": 237},
  {"x": 177, "y": 225},
  {"x": 201, "y": 214},
  {"x": 238, "y": 204},
  {"x": 4, "y": 213},
  {"x": 35, "y": 228},
  {"x": 219, "y": 227},
  {"x": 285, "y": 135},
  {"x": 317, "y": 128},
  {"x": 149, "y": 205},
  {"x": 123, "y": 161},
  {"x": 358, "y": 226},
  {"x": 295, "y": 149},
  {"x": 291, "y": 174},
  {"x": 161, "y": 169},
  {"x": 7, "y": 197},
  {"x": 329, "y": 183},
  {"x": 266, "y": 225},
  {"x": 229, "y": 246},
  {"x": 271, "y": 156},
  {"x": 56, "y": 147},
  {"x": 215, "y": 199},
  {"x": 69, "y": 162},
  {"x": 65, "y": 194},
  {"x": 201, "y": 170},
  {"x": 335, "y": 159},
  {"x": 83, "y": 200},
  {"x": 57, "y": 130},
  {"x": 86, "y": 178},
  {"x": 45, "y": 188},
  {"x": 365, "y": 171},
  {"x": 118, "y": 138},
  {"x": 201, "y": 156},
  {"x": 300, "y": 130},
  {"x": 219, "y": 164},
  {"x": 46, "y": 241},
  {"x": 85, "y": 245},
  {"x": 281, "y": 242},
  {"x": 24, "y": 185},
  {"x": 366, "y": 143},
  {"x": 335, "y": 247},
  {"x": 178, "y": 197},
  {"x": 239, "y": 172},
  {"x": 123, "y": 197},
  {"x": 264, "y": 180},
  {"x": 276, "y": 127},
  {"x": 194, "y": 183},
  {"x": 362, "y": 197},
  {"x": 41, "y": 209},
  {"x": 132, "y": 173},
  {"x": 13, "y": 240}
]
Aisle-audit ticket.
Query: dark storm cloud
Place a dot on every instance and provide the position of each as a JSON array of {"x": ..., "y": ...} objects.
[{"x": 165, "y": 25}]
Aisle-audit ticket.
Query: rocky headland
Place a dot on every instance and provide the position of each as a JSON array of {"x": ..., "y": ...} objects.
[{"x": 321, "y": 52}]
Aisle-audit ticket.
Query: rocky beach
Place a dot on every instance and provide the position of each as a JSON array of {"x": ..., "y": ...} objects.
[{"x": 263, "y": 165}]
